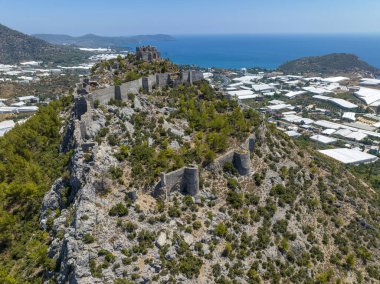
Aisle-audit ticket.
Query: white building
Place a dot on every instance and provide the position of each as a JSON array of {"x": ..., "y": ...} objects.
[
  {"x": 370, "y": 96},
  {"x": 5, "y": 126},
  {"x": 349, "y": 156}
]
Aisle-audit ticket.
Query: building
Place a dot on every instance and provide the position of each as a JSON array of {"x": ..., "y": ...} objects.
[
  {"x": 147, "y": 53},
  {"x": 5, "y": 126},
  {"x": 349, "y": 156}
]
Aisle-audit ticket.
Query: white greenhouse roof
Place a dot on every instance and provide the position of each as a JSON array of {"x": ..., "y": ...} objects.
[
  {"x": 248, "y": 97},
  {"x": 280, "y": 107},
  {"x": 7, "y": 124},
  {"x": 357, "y": 136},
  {"x": 349, "y": 156},
  {"x": 298, "y": 119},
  {"x": 315, "y": 90},
  {"x": 276, "y": 102},
  {"x": 328, "y": 131},
  {"x": 369, "y": 82},
  {"x": 239, "y": 93},
  {"x": 333, "y": 125},
  {"x": 322, "y": 139},
  {"x": 294, "y": 94},
  {"x": 335, "y": 79},
  {"x": 350, "y": 116},
  {"x": 262, "y": 87},
  {"x": 340, "y": 102},
  {"x": 293, "y": 133},
  {"x": 370, "y": 96}
]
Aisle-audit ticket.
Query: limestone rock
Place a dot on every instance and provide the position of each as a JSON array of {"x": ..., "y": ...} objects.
[{"x": 161, "y": 240}]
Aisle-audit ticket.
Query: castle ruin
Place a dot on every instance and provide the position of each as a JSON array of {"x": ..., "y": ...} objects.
[{"x": 147, "y": 53}]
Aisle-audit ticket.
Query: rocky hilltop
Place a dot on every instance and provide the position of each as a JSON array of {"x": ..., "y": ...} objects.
[
  {"x": 331, "y": 64},
  {"x": 16, "y": 47},
  {"x": 180, "y": 184}
]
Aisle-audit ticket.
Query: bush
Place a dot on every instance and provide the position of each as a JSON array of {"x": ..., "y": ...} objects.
[
  {"x": 230, "y": 168},
  {"x": 96, "y": 270},
  {"x": 221, "y": 230},
  {"x": 232, "y": 183},
  {"x": 197, "y": 225},
  {"x": 190, "y": 265},
  {"x": 174, "y": 212},
  {"x": 236, "y": 200},
  {"x": 119, "y": 210},
  {"x": 227, "y": 252},
  {"x": 88, "y": 238},
  {"x": 115, "y": 172}
]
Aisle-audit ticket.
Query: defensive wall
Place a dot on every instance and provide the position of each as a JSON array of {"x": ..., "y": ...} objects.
[
  {"x": 185, "y": 180},
  {"x": 147, "y": 84}
]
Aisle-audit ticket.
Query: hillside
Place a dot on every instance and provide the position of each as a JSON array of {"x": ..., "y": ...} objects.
[
  {"x": 94, "y": 41},
  {"x": 16, "y": 47},
  {"x": 112, "y": 217},
  {"x": 337, "y": 63}
]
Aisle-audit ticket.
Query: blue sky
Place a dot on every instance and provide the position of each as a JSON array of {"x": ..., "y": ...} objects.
[{"x": 125, "y": 17}]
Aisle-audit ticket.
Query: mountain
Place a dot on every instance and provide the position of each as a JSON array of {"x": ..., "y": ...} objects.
[
  {"x": 16, "y": 47},
  {"x": 109, "y": 192},
  {"x": 336, "y": 63},
  {"x": 93, "y": 41}
]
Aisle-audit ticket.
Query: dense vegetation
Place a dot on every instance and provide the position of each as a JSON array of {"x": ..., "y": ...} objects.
[
  {"x": 16, "y": 47},
  {"x": 328, "y": 64},
  {"x": 30, "y": 162}
]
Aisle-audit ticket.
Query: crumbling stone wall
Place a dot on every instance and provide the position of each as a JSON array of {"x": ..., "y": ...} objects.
[
  {"x": 240, "y": 158},
  {"x": 103, "y": 96},
  {"x": 147, "y": 53},
  {"x": 185, "y": 180}
]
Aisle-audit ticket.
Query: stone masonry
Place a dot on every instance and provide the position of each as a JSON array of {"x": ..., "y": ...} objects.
[
  {"x": 185, "y": 180},
  {"x": 147, "y": 53}
]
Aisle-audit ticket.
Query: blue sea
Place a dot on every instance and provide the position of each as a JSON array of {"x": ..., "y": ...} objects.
[{"x": 266, "y": 51}]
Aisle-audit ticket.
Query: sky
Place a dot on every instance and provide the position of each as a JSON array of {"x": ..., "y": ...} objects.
[{"x": 180, "y": 17}]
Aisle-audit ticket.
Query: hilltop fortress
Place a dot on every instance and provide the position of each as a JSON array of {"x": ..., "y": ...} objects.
[{"x": 185, "y": 179}]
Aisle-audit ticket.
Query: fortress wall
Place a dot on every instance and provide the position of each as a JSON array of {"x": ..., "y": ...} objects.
[
  {"x": 185, "y": 180},
  {"x": 173, "y": 180},
  {"x": 80, "y": 106},
  {"x": 196, "y": 76},
  {"x": 242, "y": 162},
  {"x": 132, "y": 87},
  {"x": 191, "y": 180},
  {"x": 103, "y": 95},
  {"x": 219, "y": 162},
  {"x": 162, "y": 80},
  {"x": 185, "y": 77}
]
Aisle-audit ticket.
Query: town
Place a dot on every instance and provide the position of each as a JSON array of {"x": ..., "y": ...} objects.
[
  {"x": 17, "y": 109},
  {"x": 340, "y": 116}
]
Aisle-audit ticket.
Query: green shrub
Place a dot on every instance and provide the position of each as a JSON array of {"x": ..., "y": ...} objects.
[
  {"x": 115, "y": 172},
  {"x": 119, "y": 210},
  {"x": 221, "y": 230},
  {"x": 232, "y": 183},
  {"x": 230, "y": 168},
  {"x": 236, "y": 200},
  {"x": 88, "y": 238}
]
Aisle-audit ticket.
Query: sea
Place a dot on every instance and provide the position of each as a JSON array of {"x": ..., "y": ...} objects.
[{"x": 265, "y": 51}]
